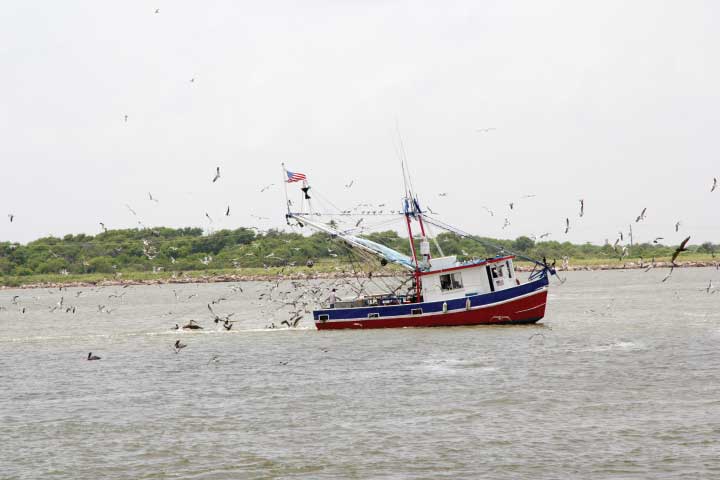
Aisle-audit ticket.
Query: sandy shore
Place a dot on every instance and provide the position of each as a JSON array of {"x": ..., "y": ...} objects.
[{"x": 114, "y": 282}]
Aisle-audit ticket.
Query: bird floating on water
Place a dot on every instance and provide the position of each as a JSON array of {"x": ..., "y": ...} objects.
[{"x": 92, "y": 357}]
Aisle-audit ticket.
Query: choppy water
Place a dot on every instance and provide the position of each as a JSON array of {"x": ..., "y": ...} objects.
[{"x": 620, "y": 381}]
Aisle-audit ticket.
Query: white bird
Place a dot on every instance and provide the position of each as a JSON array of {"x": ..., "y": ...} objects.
[
  {"x": 266, "y": 187},
  {"x": 131, "y": 210},
  {"x": 350, "y": 184}
]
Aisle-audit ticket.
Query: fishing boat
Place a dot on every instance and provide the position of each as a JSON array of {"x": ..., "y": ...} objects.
[{"x": 441, "y": 290}]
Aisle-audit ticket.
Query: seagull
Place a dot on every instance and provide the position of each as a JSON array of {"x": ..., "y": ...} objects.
[
  {"x": 710, "y": 287},
  {"x": 11, "y": 216},
  {"x": 582, "y": 207},
  {"x": 350, "y": 184},
  {"x": 208, "y": 217},
  {"x": 545, "y": 235},
  {"x": 677, "y": 226},
  {"x": 680, "y": 249},
  {"x": 485, "y": 130},
  {"x": 217, "y": 175},
  {"x": 506, "y": 224},
  {"x": 714, "y": 185},
  {"x": 266, "y": 187},
  {"x": 157, "y": 10},
  {"x": 152, "y": 199},
  {"x": 357, "y": 224},
  {"x": 492, "y": 214},
  {"x": 512, "y": 204},
  {"x": 657, "y": 239},
  {"x": 92, "y": 357},
  {"x": 567, "y": 225},
  {"x": 641, "y": 216},
  {"x": 179, "y": 346},
  {"x": 442, "y": 194},
  {"x": 126, "y": 117},
  {"x": 192, "y": 80},
  {"x": 227, "y": 212},
  {"x": 131, "y": 210}
]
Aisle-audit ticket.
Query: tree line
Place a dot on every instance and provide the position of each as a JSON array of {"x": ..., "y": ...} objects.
[{"x": 188, "y": 249}]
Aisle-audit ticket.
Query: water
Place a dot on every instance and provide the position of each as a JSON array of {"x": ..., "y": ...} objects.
[{"x": 620, "y": 381}]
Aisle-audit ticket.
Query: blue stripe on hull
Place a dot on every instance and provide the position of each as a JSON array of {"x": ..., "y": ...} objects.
[{"x": 432, "y": 307}]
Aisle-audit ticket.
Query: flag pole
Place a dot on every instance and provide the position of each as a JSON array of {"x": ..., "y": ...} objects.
[{"x": 287, "y": 199}]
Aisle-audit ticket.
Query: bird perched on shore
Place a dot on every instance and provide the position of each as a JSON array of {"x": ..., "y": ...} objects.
[
  {"x": 217, "y": 175},
  {"x": 92, "y": 357},
  {"x": 641, "y": 216},
  {"x": 680, "y": 249}
]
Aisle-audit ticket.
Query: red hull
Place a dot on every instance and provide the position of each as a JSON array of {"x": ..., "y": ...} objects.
[{"x": 528, "y": 309}]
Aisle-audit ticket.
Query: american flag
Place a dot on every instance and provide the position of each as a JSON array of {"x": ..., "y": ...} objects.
[{"x": 294, "y": 176}]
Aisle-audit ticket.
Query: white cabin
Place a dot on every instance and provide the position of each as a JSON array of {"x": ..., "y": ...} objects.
[{"x": 447, "y": 279}]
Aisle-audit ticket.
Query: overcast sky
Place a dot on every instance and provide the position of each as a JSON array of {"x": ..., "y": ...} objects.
[{"x": 614, "y": 102}]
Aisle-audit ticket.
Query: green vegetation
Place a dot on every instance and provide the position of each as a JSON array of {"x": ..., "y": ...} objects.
[{"x": 163, "y": 252}]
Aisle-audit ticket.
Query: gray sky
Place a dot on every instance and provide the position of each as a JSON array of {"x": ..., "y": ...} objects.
[{"x": 614, "y": 102}]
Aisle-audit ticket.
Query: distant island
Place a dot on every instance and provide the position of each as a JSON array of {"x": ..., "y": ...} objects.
[{"x": 189, "y": 254}]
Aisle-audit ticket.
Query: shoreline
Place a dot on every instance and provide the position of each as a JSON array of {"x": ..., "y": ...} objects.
[{"x": 226, "y": 278}]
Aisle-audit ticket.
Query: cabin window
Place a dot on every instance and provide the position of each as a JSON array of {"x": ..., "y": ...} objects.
[
  {"x": 373, "y": 315},
  {"x": 416, "y": 311},
  {"x": 450, "y": 281},
  {"x": 324, "y": 317}
]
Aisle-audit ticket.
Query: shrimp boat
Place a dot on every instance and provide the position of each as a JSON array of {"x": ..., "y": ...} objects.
[{"x": 442, "y": 291}]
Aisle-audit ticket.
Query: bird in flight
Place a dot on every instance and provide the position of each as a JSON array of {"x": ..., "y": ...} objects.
[
  {"x": 357, "y": 224},
  {"x": 657, "y": 239},
  {"x": 157, "y": 10},
  {"x": 227, "y": 212},
  {"x": 506, "y": 224},
  {"x": 669, "y": 273},
  {"x": 126, "y": 117},
  {"x": 443, "y": 194},
  {"x": 11, "y": 217},
  {"x": 567, "y": 225},
  {"x": 217, "y": 174},
  {"x": 492, "y": 214},
  {"x": 485, "y": 130},
  {"x": 131, "y": 210},
  {"x": 512, "y": 205},
  {"x": 582, "y": 207},
  {"x": 641, "y": 216},
  {"x": 677, "y": 226},
  {"x": 208, "y": 217},
  {"x": 714, "y": 185},
  {"x": 152, "y": 199},
  {"x": 266, "y": 187},
  {"x": 350, "y": 184},
  {"x": 680, "y": 249}
]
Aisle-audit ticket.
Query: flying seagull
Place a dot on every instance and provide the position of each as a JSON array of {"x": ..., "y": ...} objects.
[
  {"x": 677, "y": 226},
  {"x": 131, "y": 210},
  {"x": 266, "y": 187},
  {"x": 641, "y": 216},
  {"x": 511, "y": 204},
  {"x": 157, "y": 10},
  {"x": 208, "y": 217},
  {"x": 11, "y": 216},
  {"x": 126, "y": 117},
  {"x": 680, "y": 249},
  {"x": 714, "y": 185},
  {"x": 567, "y": 225},
  {"x": 485, "y": 130},
  {"x": 217, "y": 175},
  {"x": 152, "y": 199},
  {"x": 657, "y": 239},
  {"x": 227, "y": 212},
  {"x": 350, "y": 184},
  {"x": 582, "y": 207}
]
